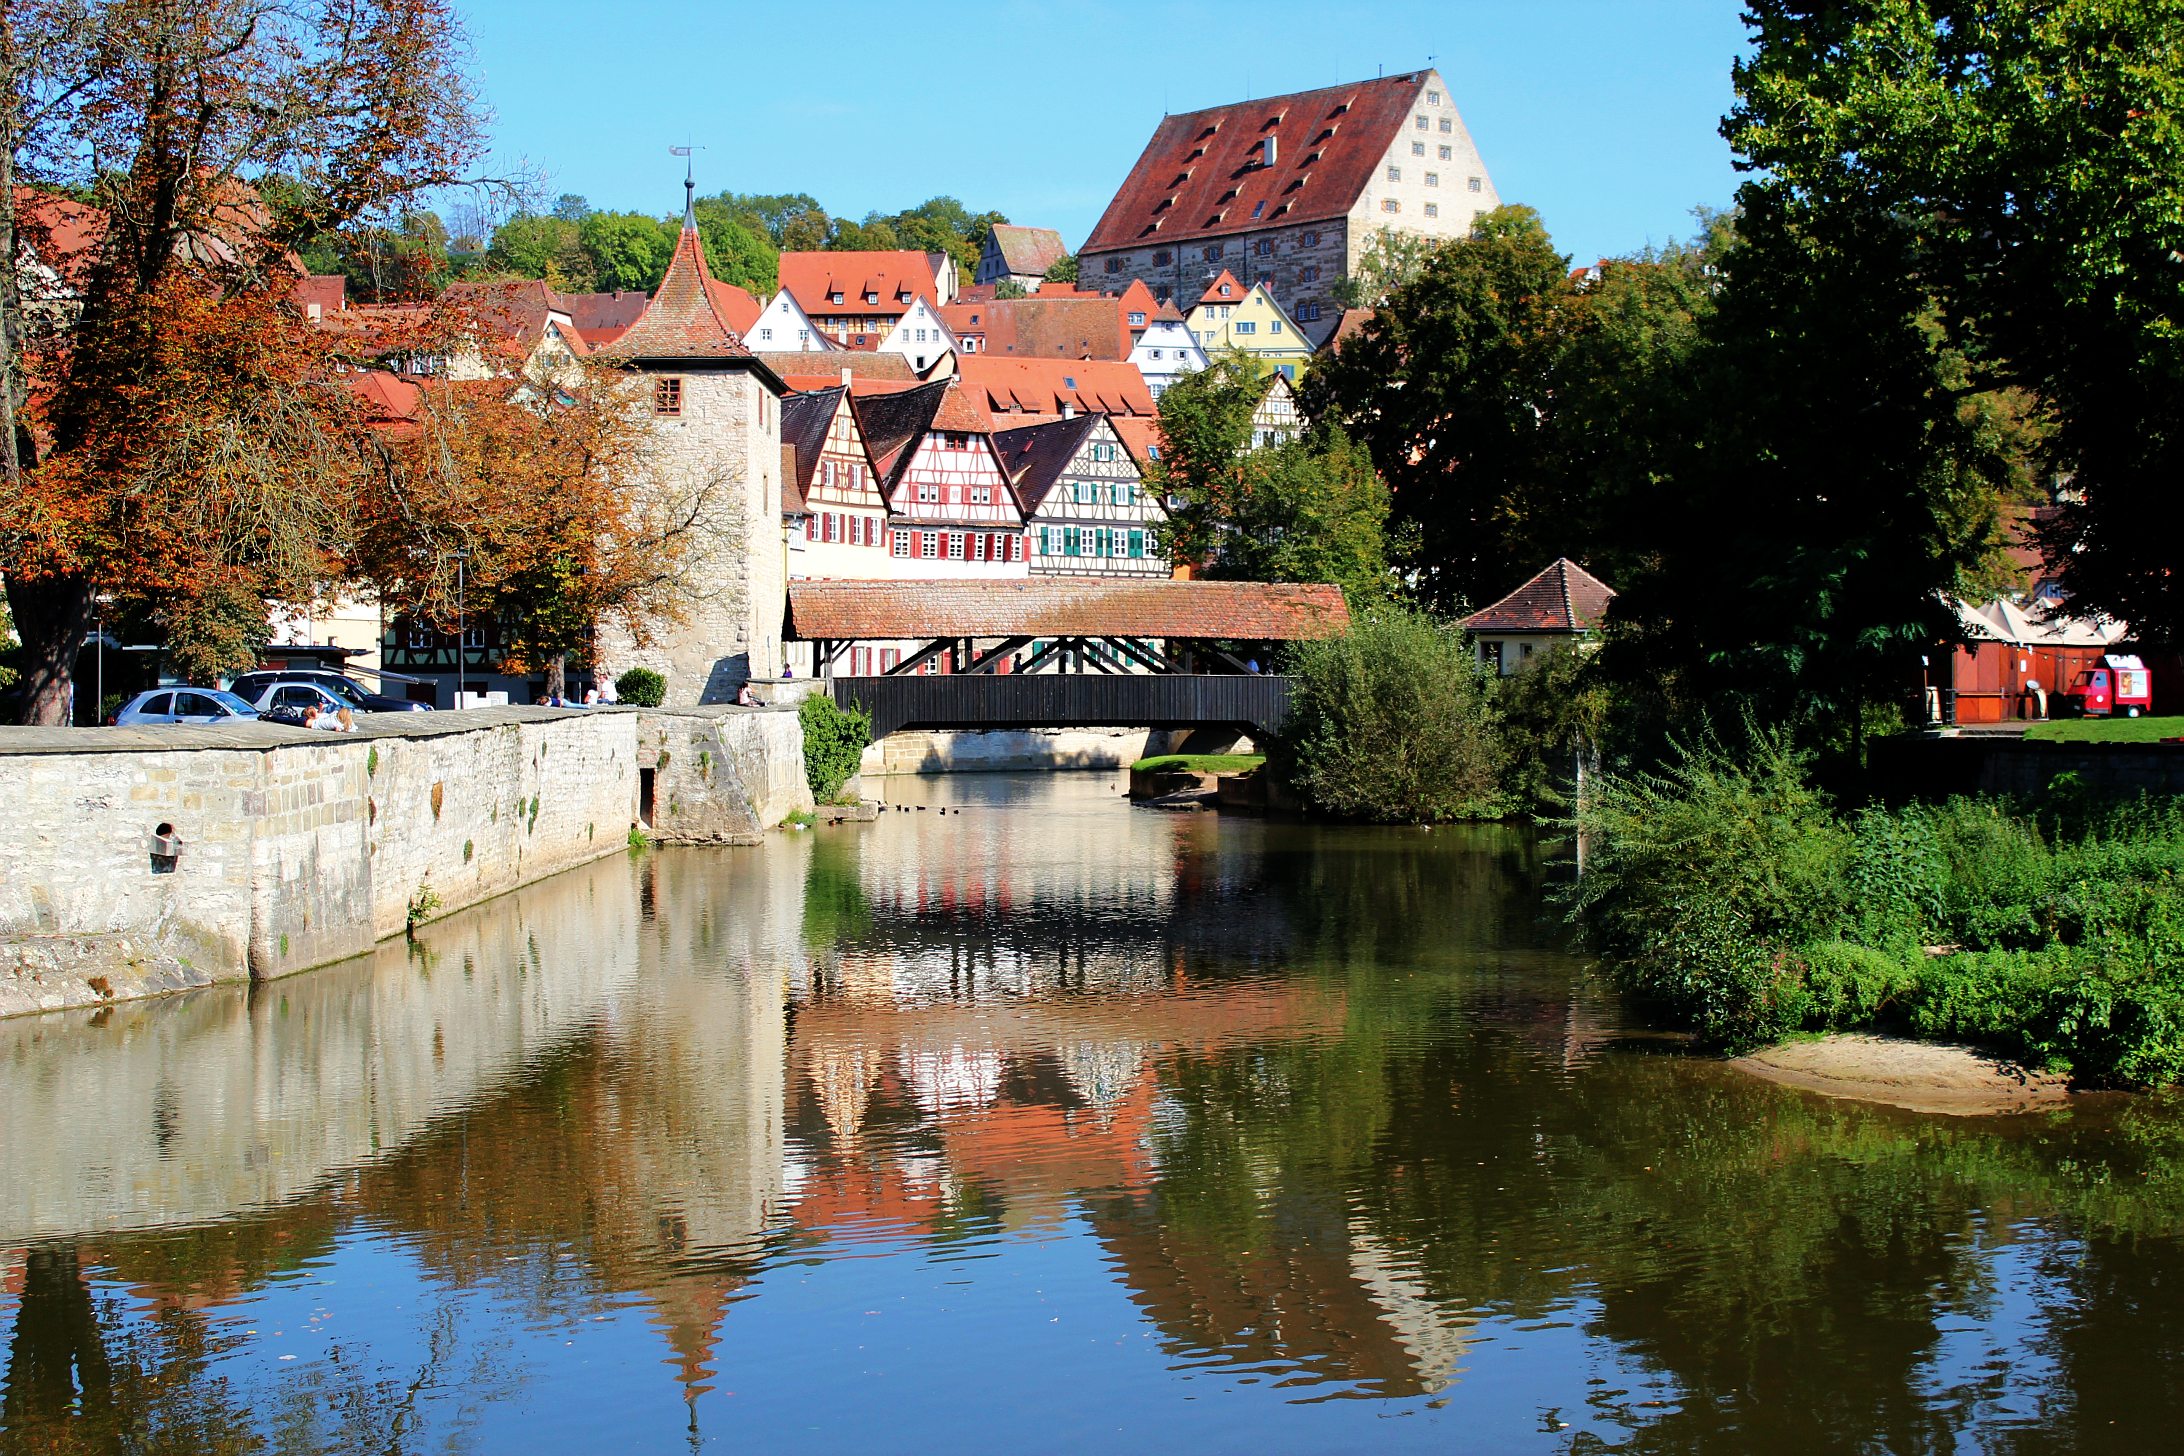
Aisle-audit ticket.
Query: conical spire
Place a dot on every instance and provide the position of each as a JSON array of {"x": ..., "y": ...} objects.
[{"x": 682, "y": 320}]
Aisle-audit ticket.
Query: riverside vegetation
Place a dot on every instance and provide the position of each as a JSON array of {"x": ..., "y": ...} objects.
[{"x": 1730, "y": 894}]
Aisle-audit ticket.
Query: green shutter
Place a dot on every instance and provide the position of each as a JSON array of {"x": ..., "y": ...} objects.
[{"x": 1137, "y": 544}]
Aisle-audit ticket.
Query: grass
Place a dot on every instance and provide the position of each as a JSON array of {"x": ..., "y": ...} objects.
[
  {"x": 1203, "y": 763},
  {"x": 2107, "y": 730}
]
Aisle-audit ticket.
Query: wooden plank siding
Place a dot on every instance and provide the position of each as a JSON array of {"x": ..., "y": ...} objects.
[{"x": 1257, "y": 703}]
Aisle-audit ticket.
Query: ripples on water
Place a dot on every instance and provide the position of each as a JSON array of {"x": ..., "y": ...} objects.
[{"x": 1040, "y": 1124}]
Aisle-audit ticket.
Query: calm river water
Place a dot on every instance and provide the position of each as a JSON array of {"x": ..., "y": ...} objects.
[{"x": 1042, "y": 1124}]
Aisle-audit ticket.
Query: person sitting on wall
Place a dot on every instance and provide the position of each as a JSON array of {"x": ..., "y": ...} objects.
[{"x": 745, "y": 698}]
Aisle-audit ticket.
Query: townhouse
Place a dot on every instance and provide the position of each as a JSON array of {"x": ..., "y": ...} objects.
[{"x": 1086, "y": 509}]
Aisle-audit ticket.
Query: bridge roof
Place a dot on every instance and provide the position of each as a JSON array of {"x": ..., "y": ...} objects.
[{"x": 1244, "y": 611}]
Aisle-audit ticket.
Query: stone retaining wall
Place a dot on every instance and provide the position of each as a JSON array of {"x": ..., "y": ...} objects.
[
  {"x": 1934, "y": 768},
  {"x": 299, "y": 848}
]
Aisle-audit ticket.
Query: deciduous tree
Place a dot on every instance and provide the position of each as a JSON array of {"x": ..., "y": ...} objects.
[{"x": 184, "y": 431}]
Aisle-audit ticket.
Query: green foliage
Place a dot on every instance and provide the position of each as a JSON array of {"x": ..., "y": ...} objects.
[
  {"x": 2025, "y": 161},
  {"x": 2107, "y": 730},
  {"x": 1063, "y": 269},
  {"x": 737, "y": 252},
  {"x": 551, "y": 248},
  {"x": 1213, "y": 763},
  {"x": 1010, "y": 288},
  {"x": 1554, "y": 710},
  {"x": 1205, "y": 427},
  {"x": 628, "y": 251},
  {"x": 834, "y": 740},
  {"x": 1306, "y": 510},
  {"x": 1728, "y": 894},
  {"x": 642, "y": 687},
  {"x": 1392, "y": 721}
]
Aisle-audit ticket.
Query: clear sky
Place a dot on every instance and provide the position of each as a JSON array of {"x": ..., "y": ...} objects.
[{"x": 1600, "y": 113}]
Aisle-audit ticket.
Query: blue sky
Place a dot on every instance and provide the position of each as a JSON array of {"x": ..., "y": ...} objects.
[{"x": 1600, "y": 113}]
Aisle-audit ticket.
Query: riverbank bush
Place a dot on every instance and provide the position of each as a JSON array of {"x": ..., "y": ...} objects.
[
  {"x": 834, "y": 742},
  {"x": 1393, "y": 721},
  {"x": 1728, "y": 893},
  {"x": 641, "y": 687}
]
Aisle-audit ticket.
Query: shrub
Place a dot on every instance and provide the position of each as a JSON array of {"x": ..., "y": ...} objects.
[
  {"x": 642, "y": 687},
  {"x": 1392, "y": 721},
  {"x": 834, "y": 740}
]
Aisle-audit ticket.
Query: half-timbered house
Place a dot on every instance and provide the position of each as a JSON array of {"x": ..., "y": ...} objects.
[
  {"x": 951, "y": 509},
  {"x": 1086, "y": 511},
  {"x": 841, "y": 529}
]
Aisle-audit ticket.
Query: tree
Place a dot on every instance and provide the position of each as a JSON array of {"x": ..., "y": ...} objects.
[
  {"x": 628, "y": 251},
  {"x": 1448, "y": 386},
  {"x": 1205, "y": 427},
  {"x": 737, "y": 252},
  {"x": 185, "y": 435},
  {"x": 551, "y": 248},
  {"x": 2026, "y": 158},
  {"x": 1063, "y": 269},
  {"x": 556, "y": 507},
  {"x": 1392, "y": 260},
  {"x": 1311, "y": 509}
]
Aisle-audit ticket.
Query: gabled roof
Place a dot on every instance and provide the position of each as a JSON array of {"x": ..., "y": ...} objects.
[
  {"x": 1045, "y": 386},
  {"x": 1252, "y": 611},
  {"x": 383, "y": 398},
  {"x": 326, "y": 292},
  {"x": 811, "y": 278},
  {"x": 1202, "y": 174},
  {"x": 805, "y": 420},
  {"x": 603, "y": 317},
  {"x": 519, "y": 312},
  {"x": 1563, "y": 598},
  {"x": 1030, "y": 250},
  {"x": 1224, "y": 289},
  {"x": 684, "y": 321},
  {"x": 1066, "y": 326},
  {"x": 1351, "y": 324},
  {"x": 893, "y": 424},
  {"x": 1137, "y": 298},
  {"x": 1140, "y": 436},
  {"x": 1035, "y": 456}
]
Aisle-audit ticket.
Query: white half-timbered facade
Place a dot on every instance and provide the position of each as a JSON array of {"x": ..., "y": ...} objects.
[
  {"x": 1086, "y": 510},
  {"x": 951, "y": 508}
]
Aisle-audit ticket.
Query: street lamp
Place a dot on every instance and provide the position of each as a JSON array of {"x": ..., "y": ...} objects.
[{"x": 462, "y": 638}]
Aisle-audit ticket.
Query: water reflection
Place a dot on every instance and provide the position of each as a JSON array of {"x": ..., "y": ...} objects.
[{"x": 1101, "y": 1122}]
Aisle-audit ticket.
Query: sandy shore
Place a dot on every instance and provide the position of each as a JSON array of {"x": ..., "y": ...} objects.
[{"x": 1920, "y": 1076}]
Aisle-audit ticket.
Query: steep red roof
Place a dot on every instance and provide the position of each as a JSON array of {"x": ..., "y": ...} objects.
[
  {"x": 1141, "y": 436},
  {"x": 1250, "y": 611},
  {"x": 1044, "y": 386},
  {"x": 1065, "y": 326},
  {"x": 1563, "y": 598},
  {"x": 684, "y": 320},
  {"x": 812, "y": 279},
  {"x": 326, "y": 292},
  {"x": 1138, "y": 301},
  {"x": 383, "y": 398},
  {"x": 1224, "y": 289},
  {"x": 1202, "y": 174},
  {"x": 1351, "y": 324}
]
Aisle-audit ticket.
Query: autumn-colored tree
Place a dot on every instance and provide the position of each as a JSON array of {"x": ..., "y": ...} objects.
[
  {"x": 183, "y": 436},
  {"x": 552, "y": 502}
]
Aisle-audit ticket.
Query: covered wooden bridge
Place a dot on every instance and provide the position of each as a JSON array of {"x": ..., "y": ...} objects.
[{"x": 1061, "y": 652}]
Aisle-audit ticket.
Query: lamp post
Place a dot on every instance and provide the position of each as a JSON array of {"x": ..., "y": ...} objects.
[{"x": 462, "y": 637}]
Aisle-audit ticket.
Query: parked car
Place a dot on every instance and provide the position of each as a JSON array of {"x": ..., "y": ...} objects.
[
  {"x": 287, "y": 702},
  {"x": 259, "y": 687},
  {"x": 184, "y": 705}
]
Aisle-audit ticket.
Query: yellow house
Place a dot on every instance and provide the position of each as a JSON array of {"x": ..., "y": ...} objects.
[{"x": 1231, "y": 316}]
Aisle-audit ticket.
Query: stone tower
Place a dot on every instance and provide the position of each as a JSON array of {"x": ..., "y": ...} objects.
[{"x": 714, "y": 412}]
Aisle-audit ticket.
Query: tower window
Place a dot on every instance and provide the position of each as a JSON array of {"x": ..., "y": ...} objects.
[{"x": 667, "y": 397}]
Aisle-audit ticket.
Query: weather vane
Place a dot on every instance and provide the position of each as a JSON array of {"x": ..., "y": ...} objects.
[{"x": 690, "y": 175}]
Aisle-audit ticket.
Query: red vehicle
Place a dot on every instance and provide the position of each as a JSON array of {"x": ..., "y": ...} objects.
[{"x": 2123, "y": 686}]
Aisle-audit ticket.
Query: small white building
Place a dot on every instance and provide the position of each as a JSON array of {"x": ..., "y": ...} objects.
[
  {"x": 784, "y": 328},
  {"x": 920, "y": 337}
]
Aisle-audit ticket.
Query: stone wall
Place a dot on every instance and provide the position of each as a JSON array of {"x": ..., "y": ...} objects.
[
  {"x": 1935, "y": 768},
  {"x": 301, "y": 848},
  {"x": 722, "y": 775},
  {"x": 1006, "y": 750}
]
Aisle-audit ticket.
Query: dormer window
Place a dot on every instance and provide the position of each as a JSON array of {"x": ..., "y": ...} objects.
[
  {"x": 834, "y": 298},
  {"x": 1226, "y": 290},
  {"x": 871, "y": 296},
  {"x": 1137, "y": 320}
]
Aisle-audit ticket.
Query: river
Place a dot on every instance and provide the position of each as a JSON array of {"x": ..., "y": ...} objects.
[{"x": 1026, "y": 1120}]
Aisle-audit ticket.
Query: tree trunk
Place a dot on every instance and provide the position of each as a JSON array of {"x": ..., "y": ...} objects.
[
  {"x": 557, "y": 675},
  {"x": 53, "y": 615}
]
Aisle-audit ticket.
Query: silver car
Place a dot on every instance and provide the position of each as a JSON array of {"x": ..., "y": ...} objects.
[{"x": 184, "y": 705}]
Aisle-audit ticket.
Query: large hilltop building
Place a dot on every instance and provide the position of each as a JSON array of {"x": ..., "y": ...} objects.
[{"x": 1290, "y": 191}]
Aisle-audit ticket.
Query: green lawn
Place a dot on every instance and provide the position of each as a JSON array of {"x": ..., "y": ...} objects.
[
  {"x": 1205, "y": 763},
  {"x": 2107, "y": 730}
]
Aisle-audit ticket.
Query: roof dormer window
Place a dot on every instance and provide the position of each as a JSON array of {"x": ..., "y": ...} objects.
[
  {"x": 872, "y": 296},
  {"x": 834, "y": 297}
]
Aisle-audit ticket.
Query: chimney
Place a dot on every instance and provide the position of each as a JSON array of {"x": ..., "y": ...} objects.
[{"x": 845, "y": 376}]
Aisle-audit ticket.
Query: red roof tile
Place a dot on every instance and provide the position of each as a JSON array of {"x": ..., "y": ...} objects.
[
  {"x": 1201, "y": 175},
  {"x": 1224, "y": 289},
  {"x": 327, "y": 292},
  {"x": 1044, "y": 386},
  {"x": 813, "y": 278},
  {"x": 1068, "y": 326},
  {"x": 1351, "y": 324},
  {"x": 735, "y": 305},
  {"x": 1248, "y": 611},
  {"x": 1563, "y": 598},
  {"x": 684, "y": 319},
  {"x": 1141, "y": 436}
]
